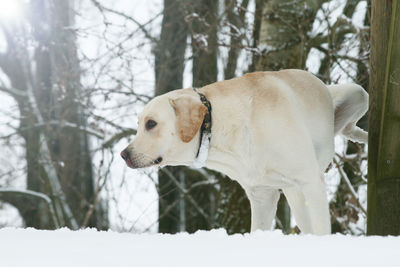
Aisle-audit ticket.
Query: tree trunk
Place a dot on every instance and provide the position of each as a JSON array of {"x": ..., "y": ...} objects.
[
  {"x": 54, "y": 90},
  {"x": 58, "y": 92},
  {"x": 283, "y": 33},
  {"x": 384, "y": 141},
  {"x": 204, "y": 43},
  {"x": 236, "y": 19},
  {"x": 11, "y": 64},
  {"x": 169, "y": 65}
]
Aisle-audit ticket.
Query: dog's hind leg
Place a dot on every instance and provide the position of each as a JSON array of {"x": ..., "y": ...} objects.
[
  {"x": 317, "y": 207},
  {"x": 299, "y": 209},
  {"x": 263, "y": 203}
]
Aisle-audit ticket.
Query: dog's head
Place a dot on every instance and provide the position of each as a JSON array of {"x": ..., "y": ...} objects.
[{"x": 166, "y": 131}]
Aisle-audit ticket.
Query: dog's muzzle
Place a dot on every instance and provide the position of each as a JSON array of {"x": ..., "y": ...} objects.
[{"x": 138, "y": 161}]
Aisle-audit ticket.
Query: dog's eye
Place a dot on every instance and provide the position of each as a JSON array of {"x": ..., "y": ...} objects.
[{"x": 150, "y": 124}]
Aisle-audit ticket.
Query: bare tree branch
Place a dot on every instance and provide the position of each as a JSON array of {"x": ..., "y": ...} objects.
[
  {"x": 141, "y": 27},
  {"x": 343, "y": 175},
  {"x": 9, "y": 193},
  {"x": 184, "y": 191},
  {"x": 12, "y": 91},
  {"x": 115, "y": 138}
]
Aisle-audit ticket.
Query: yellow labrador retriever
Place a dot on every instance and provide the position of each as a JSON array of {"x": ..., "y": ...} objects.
[{"x": 266, "y": 130}]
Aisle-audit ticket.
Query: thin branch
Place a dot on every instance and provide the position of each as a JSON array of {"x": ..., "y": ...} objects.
[
  {"x": 62, "y": 124},
  {"x": 115, "y": 138},
  {"x": 14, "y": 92},
  {"x": 99, "y": 186},
  {"x": 115, "y": 12},
  {"x": 343, "y": 175}
]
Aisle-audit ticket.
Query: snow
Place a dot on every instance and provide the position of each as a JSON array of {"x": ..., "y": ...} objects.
[
  {"x": 201, "y": 158},
  {"x": 29, "y": 247}
]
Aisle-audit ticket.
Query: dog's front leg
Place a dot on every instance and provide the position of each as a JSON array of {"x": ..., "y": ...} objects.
[{"x": 263, "y": 203}]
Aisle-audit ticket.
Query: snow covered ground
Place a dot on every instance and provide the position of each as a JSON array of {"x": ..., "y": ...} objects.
[{"x": 29, "y": 247}]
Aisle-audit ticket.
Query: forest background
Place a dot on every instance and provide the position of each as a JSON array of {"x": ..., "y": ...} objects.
[{"x": 75, "y": 74}]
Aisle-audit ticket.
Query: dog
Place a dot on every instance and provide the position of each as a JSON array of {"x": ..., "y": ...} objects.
[{"x": 269, "y": 131}]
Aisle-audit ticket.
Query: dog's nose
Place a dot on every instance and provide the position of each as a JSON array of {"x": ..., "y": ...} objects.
[{"x": 125, "y": 154}]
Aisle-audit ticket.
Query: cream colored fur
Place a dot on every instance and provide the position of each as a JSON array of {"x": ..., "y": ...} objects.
[{"x": 270, "y": 131}]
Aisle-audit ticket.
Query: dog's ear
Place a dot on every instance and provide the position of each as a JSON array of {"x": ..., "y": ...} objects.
[{"x": 190, "y": 114}]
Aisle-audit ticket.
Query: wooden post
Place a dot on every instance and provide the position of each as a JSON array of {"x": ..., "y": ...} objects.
[{"x": 384, "y": 121}]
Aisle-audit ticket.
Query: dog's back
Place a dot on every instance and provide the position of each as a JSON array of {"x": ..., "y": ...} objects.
[{"x": 304, "y": 102}]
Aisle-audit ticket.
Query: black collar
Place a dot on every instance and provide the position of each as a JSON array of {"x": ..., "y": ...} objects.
[{"x": 205, "y": 130}]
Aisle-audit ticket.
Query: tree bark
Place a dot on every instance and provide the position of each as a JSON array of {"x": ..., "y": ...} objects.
[
  {"x": 204, "y": 43},
  {"x": 283, "y": 33},
  {"x": 236, "y": 19},
  {"x": 384, "y": 155}
]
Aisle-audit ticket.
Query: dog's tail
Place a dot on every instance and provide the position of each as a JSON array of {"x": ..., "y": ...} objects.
[{"x": 351, "y": 103}]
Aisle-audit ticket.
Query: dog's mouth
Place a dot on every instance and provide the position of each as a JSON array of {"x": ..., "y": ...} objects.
[
  {"x": 129, "y": 163},
  {"x": 138, "y": 161},
  {"x": 138, "y": 164}
]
